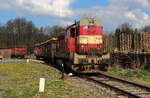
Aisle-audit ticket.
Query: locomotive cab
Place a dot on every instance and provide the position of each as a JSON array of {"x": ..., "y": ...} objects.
[{"x": 72, "y": 34}]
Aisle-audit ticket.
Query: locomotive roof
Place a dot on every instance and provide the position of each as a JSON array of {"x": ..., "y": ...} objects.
[{"x": 86, "y": 21}]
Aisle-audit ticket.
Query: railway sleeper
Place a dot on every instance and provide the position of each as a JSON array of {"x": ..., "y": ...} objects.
[
  {"x": 104, "y": 79},
  {"x": 114, "y": 83},
  {"x": 141, "y": 93},
  {"x": 123, "y": 87},
  {"x": 129, "y": 89},
  {"x": 137, "y": 91}
]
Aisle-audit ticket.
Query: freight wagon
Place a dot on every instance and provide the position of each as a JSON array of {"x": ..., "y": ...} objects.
[
  {"x": 5, "y": 53},
  {"x": 16, "y": 51},
  {"x": 39, "y": 51},
  {"x": 80, "y": 48}
]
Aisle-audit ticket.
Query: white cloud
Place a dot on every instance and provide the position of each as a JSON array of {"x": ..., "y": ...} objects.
[
  {"x": 131, "y": 15},
  {"x": 132, "y": 3},
  {"x": 138, "y": 18},
  {"x": 53, "y": 8},
  {"x": 63, "y": 22},
  {"x": 120, "y": 11},
  {"x": 112, "y": 15}
]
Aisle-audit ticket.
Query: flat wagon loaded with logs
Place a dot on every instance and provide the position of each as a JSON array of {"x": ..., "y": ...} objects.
[{"x": 133, "y": 50}]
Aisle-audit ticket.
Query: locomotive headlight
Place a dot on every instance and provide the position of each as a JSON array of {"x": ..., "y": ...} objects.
[{"x": 82, "y": 46}]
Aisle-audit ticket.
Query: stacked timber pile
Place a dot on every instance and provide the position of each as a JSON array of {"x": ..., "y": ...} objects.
[
  {"x": 5, "y": 53},
  {"x": 148, "y": 43},
  {"x": 125, "y": 42},
  {"x": 139, "y": 42},
  {"x": 136, "y": 44}
]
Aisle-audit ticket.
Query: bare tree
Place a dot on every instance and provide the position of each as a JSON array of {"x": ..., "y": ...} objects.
[
  {"x": 20, "y": 32},
  {"x": 124, "y": 28},
  {"x": 146, "y": 29}
]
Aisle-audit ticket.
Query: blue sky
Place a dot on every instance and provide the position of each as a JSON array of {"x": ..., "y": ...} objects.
[
  {"x": 89, "y": 3},
  {"x": 64, "y": 12}
]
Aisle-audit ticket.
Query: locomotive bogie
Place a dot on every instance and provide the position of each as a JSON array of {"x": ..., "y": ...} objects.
[
  {"x": 89, "y": 59},
  {"x": 89, "y": 63}
]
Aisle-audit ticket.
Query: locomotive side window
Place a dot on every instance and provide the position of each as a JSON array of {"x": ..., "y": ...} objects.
[{"x": 73, "y": 32}]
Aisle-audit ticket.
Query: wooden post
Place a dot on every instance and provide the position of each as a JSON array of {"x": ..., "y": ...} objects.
[
  {"x": 41, "y": 84},
  {"x": 63, "y": 70}
]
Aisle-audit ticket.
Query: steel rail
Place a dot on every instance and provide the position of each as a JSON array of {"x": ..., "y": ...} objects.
[
  {"x": 125, "y": 81},
  {"x": 117, "y": 89},
  {"x": 114, "y": 88}
]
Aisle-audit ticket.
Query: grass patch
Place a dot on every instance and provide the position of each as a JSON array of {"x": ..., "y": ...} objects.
[
  {"x": 21, "y": 80},
  {"x": 63, "y": 89},
  {"x": 145, "y": 75},
  {"x": 129, "y": 73}
]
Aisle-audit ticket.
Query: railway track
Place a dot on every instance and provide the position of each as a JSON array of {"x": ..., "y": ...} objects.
[{"x": 120, "y": 87}]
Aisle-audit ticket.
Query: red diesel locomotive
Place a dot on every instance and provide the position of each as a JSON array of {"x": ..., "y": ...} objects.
[{"x": 80, "y": 48}]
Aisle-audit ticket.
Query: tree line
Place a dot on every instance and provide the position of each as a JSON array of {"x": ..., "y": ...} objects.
[{"x": 20, "y": 32}]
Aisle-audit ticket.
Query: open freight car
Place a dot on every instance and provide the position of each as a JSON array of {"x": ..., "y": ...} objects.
[
  {"x": 18, "y": 51},
  {"x": 80, "y": 48},
  {"x": 39, "y": 51},
  {"x": 5, "y": 53},
  {"x": 15, "y": 51}
]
